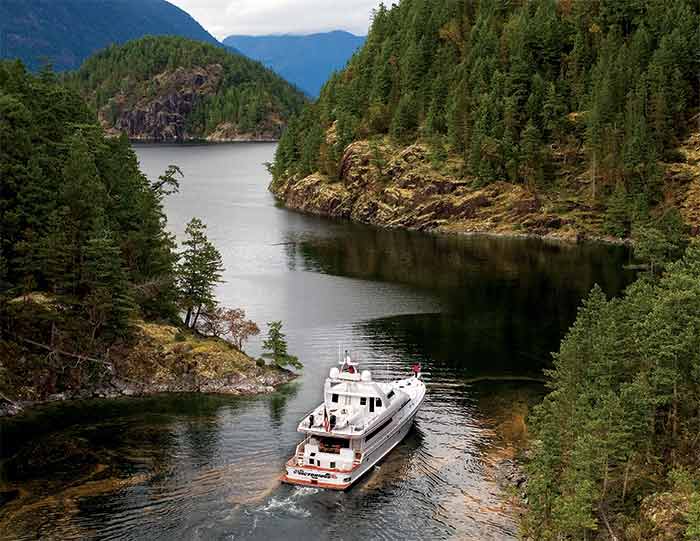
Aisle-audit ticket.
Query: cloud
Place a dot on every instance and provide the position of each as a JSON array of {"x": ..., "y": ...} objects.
[{"x": 253, "y": 17}]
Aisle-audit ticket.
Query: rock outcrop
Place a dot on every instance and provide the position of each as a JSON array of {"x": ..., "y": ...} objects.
[
  {"x": 408, "y": 192},
  {"x": 161, "y": 112},
  {"x": 158, "y": 358},
  {"x": 383, "y": 185},
  {"x": 162, "y": 116}
]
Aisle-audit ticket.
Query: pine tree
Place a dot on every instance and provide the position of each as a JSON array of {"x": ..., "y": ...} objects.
[
  {"x": 531, "y": 154},
  {"x": 617, "y": 215},
  {"x": 275, "y": 347},
  {"x": 199, "y": 270},
  {"x": 405, "y": 119},
  {"x": 107, "y": 300}
]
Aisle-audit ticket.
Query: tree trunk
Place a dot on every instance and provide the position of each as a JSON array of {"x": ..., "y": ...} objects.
[
  {"x": 626, "y": 479},
  {"x": 187, "y": 317},
  {"x": 196, "y": 317},
  {"x": 593, "y": 177},
  {"x": 605, "y": 477},
  {"x": 675, "y": 409}
]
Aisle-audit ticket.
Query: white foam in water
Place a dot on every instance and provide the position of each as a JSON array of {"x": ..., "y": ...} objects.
[
  {"x": 304, "y": 491},
  {"x": 286, "y": 505},
  {"x": 289, "y": 505}
]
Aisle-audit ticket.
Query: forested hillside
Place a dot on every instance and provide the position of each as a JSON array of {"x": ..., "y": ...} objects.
[
  {"x": 305, "y": 61},
  {"x": 615, "y": 448},
  {"x": 555, "y": 117},
  {"x": 64, "y": 33},
  {"x": 80, "y": 223},
  {"x": 91, "y": 287},
  {"x": 169, "y": 88}
]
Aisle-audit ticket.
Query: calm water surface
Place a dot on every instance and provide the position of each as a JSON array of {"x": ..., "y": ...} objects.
[{"x": 481, "y": 314}]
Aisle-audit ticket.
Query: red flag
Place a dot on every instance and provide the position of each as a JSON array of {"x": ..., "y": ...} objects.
[{"x": 416, "y": 369}]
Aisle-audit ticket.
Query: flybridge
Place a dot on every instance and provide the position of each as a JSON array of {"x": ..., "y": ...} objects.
[{"x": 358, "y": 423}]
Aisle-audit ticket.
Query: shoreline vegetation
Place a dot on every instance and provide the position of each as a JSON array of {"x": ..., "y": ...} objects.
[
  {"x": 96, "y": 297},
  {"x": 198, "y": 141},
  {"x": 555, "y": 119},
  {"x": 383, "y": 185}
]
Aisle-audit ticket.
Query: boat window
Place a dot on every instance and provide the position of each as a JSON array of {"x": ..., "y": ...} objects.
[
  {"x": 391, "y": 393},
  {"x": 311, "y": 461},
  {"x": 379, "y": 402},
  {"x": 332, "y": 465},
  {"x": 363, "y": 401},
  {"x": 371, "y": 403},
  {"x": 378, "y": 429},
  {"x": 334, "y": 398}
]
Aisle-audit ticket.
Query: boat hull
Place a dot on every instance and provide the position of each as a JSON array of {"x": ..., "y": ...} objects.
[{"x": 342, "y": 480}]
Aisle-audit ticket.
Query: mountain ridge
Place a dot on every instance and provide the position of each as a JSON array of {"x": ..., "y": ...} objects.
[
  {"x": 305, "y": 60},
  {"x": 66, "y": 33}
]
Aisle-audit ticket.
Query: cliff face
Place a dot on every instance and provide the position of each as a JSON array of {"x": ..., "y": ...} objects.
[
  {"x": 163, "y": 114},
  {"x": 389, "y": 186}
]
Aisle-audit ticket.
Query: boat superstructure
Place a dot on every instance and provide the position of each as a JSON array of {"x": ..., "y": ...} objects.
[{"x": 358, "y": 423}]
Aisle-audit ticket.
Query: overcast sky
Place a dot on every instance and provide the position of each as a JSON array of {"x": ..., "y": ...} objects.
[{"x": 225, "y": 17}]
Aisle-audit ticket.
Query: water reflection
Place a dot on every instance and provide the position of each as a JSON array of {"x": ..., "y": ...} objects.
[
  {"x": 278, "y": 403},
  {"x": 505, "y": 302}
]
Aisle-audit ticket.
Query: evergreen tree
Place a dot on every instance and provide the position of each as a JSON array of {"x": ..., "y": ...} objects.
[
  {"x": 531, "y": 155},
  {"x": 617, "y": 216},
  {"x": 275, "y": 347},
  {"x": 607, "y": 85},
  {"x": 107, "y": 300},
  {"x": 624, "y": 392},
  {"x": 199, "y": 270},
  {"x": 405, "y": 120}
]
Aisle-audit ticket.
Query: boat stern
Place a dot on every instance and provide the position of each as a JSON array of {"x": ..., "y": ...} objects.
[{"x": 316, "y": 477}]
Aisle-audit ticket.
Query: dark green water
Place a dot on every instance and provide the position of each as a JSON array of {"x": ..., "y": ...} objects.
[{"x": 481, "y": 314}]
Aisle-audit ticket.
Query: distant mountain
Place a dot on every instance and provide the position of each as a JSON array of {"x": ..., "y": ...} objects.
[
  {"x": 306, "y": 61},
  {"x": 66, "y": 32},
  {"x": 168, "y": 88}
]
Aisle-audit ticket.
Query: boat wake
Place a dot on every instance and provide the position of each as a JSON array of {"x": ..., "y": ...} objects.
[{"x": 291, "y": 505}]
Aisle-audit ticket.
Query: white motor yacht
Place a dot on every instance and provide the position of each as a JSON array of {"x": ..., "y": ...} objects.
[{"x": 358, "y": 423}]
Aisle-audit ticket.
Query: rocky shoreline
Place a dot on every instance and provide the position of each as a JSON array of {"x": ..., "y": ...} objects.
[
  {"x": 161, "y": 359},
  {"x": 387, "y": 186},
  {"x": 510, "y": 476},
  {"x": 406, "y": 192},
  {"x": 262, "y": 384},
  {"x": 198, "y": 140}
]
